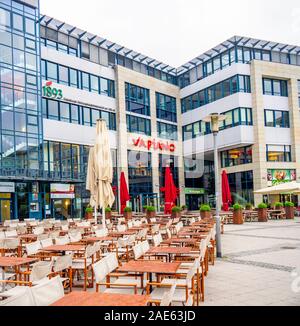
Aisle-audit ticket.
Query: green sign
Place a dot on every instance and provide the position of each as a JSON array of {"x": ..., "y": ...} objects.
[
  {"x": 52, "y": 92},
  {"x": 281, "y": 176},
  {"x": 194, "y": 191}
]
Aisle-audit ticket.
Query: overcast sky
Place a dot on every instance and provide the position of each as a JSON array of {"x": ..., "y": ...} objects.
[{"x": 176, "y": 31}]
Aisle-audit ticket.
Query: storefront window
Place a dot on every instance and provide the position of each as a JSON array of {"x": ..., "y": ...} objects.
[
  {"x": 241, "y": 186},
  {"x": 238, "y": 156},
  {"x": 279, "y": 153}
]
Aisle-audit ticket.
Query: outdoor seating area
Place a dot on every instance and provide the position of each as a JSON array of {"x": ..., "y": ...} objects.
[{"x": 163, "y": 261}]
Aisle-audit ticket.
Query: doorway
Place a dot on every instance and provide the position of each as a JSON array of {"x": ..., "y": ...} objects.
[
  {"x": 5, "y": 207},
  {"x": 62, "y": 208}
]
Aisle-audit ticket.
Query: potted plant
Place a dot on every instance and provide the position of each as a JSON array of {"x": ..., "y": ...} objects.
[
  {"x": 128, "y": 213},
  {"x": 151, "y": 212},
  {"x": 249, "y": 207},
  {"x": 184, "y": 209},
  {"x": 89, "y": 213},
  {"x": 289, "y": 210},
  {"x": 145, "y": 209},
  {"x": 108, "y": 213},
  {"x": 238, "y": 214},
  {"x": 262, "y": 212},
  {"x": 205, "y": 211},
  {"x": 278, "y": 206},
  {"x": 176, "y": 212}
]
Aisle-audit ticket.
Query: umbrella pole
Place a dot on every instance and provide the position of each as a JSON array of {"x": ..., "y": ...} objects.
[
  {"x": 96, "y": 219},
  {"x": 103, "y": 218}
]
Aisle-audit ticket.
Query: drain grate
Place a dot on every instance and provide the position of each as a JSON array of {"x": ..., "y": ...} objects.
[{"x": 288, "y": 248}]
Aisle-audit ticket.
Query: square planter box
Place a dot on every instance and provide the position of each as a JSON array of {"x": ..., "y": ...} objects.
[
  {"x": 262, "y": 215},
  {"x": 290, "y": 213},
  {"x": 205, "y": 215},
  {"x": 238, "y": 217}
]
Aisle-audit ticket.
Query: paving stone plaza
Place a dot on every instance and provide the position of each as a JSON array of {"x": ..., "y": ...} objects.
[{"x": 258, "y": 266}]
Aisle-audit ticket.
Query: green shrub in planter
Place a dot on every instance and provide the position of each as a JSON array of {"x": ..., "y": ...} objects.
[
  {"x": 184, "y": 207},
  {"x": 262, "y": 206},
  {"x": 237, "y": 207},
  {"x": 205, "y": 208},
  {"x": 108, "y": 210},
  {"x": 89, "y": 210},
  {"x": 278, "y": 205},
  {"x": 176, "y": 209},
  {"x": 249, "y": 207},
  {"x": 127, "y": 210},
  {"x": 151, "y": 209},
  {"x": 289, "y": 204}
]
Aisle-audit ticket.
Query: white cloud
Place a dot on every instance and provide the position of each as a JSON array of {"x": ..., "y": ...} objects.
[{"x": 176, "y": 31}]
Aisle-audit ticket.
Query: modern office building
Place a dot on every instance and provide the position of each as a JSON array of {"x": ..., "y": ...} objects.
[{"x": 56, "y": 80}]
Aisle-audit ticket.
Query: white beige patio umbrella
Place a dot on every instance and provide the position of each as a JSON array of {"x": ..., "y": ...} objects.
[
  {"x": 100, "y": 172},
  {"x": 281, "y": 189}
]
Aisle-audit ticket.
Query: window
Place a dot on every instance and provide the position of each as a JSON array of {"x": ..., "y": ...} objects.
[
  {"x": 95, "y": 84},
  {"x": 73, "y": 78},
  {"x": 29, "y": 26},
  {"x": 277, "y": 119},
  {"x": 85, "y": 79},
  {"x": 5, "y": 18},
  {"x": 275, "y": 87},
  {"x": 299, "y": 92},
  {"x": 237, "y": 156},
  {"x": 137, "y": 99},
  {"x": 18, "y": 22},
  {"x": 64, "y": 112},
  {"x": 63, "y": 74},
  {"x": 239, "y": 83},
  {"x": 52, "y": 71},
  {"x": 166, "y": 107},
  {"x": 53, "y": 110},
  {"x": 279, "y": 153},
  {"x": 138, "y": 125},
  {"x": 167, "y": 131}
]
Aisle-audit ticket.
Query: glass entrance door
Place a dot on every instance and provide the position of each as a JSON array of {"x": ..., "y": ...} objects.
[{"x": 5, "y": 207}]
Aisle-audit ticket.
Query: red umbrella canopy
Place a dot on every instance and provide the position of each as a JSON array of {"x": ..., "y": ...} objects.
[
  {"x": 226, "y": 193},
  {"x": 124, "y": 193},
  {"x": 170, "y": 191}
]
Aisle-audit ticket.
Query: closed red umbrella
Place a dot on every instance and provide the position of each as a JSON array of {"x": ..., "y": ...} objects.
[
  {"x": 226, "y": 193},
  {"x": 170, "y": 191},
  {"x": 124, "y": 193}
]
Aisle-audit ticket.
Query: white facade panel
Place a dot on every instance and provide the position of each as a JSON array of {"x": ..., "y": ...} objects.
[
  {"x": 223, "y": 105},
  {"x": 85, "y": 98},
  {"x": 77, "y": 63},
  {"x": 73, "y": 134},
  {"x": 235, "y": 69},
  {"x": 276, "y": 103},
  {"x": 234, "y": 137},
  {"x": 278, "y": 136}
]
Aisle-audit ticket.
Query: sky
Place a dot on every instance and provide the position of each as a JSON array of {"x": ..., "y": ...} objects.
[{"x": 177, "y": 31}]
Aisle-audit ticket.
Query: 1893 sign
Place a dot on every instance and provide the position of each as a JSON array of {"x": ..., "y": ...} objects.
[{"x": 52, "y": 92}]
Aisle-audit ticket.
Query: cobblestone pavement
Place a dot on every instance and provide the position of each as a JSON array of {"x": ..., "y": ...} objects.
[{"x": 260, "y": 266}]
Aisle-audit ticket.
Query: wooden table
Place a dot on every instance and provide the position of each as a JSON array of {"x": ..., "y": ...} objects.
[
  {"x": 64, "y": 248},
  {"x": 182, "y": 241},
  {"x": 14, "y": 262},
  {"x": 98, "y": 239},
  {"x": 121, "y": 234},
  {"x": 86, "y": 299},
  {"x": 169, "y": 251}
]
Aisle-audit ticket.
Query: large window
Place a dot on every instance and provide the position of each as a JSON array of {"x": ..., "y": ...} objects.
[
  {"x": 138, "y": 125},
  {"x": 238, "y": 83},
  {"x": 137, "y": 99},
  {"x": 277, "y": 119},
  {"x": 140, "y": 173},
  {"x": 299, "y": 92},
  {"x": 279, "y": 153},
  {"x": 79, "y": 79},
  {"x": 166, "y": 108},
  {"x": 242, "y": 186},
  {"x": 237, "y": 156},
  {"x": 76, "y": 114},
  {"x": 275, "y": 87},
  {"x": 236, "y": 117},
  {"x": 167, "y": 131}
]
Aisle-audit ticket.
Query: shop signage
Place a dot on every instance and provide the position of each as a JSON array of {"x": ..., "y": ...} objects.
[
  {"x": 194, "y": 191},
  {"x": 62, "y": 191},
  {"x": 52, "y": 92},
  {"x": 276, "y": 177},
  {"x": 7, "y": 187},
  {"x": 153, "y": 144}
]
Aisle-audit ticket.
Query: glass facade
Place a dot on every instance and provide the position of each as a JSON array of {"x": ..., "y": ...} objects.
[
  {"x": 236, "y": 54},
  {"x": 73, "y": 46},
  {"x": 236, "y": 117},
  {"x": 233, "y": 85},
  {"x": 167, "y": 131},
  {"x": 70, "y": 113},
  {"x": 78, "y": 79},
  {"x": 138, "y": 125}
]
